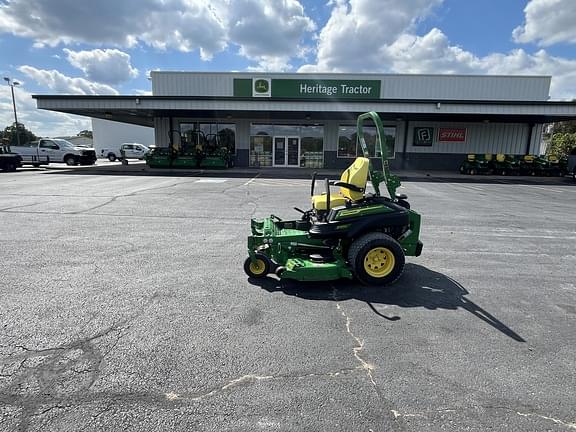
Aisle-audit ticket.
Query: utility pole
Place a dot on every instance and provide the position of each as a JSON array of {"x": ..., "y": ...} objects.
[{"x": 12, "y": 84}]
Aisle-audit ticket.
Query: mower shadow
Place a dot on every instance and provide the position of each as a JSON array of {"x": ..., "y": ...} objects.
[{"x": 418, "y": 287}]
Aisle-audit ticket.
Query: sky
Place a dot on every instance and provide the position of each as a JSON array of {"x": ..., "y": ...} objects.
[{"x": 110, "y": 46}]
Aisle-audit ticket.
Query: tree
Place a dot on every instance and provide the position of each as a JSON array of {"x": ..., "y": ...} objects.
[
  {"x": 9, "y": 134},
  {"x": 562, "y": 140},
  {"x": 562, "y": 144},
  {"x": 85, "y": 133}
]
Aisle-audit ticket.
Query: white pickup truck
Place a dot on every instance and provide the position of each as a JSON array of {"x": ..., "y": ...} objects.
[
  {"x": 125, "y": 151},
  {"x": 48, "y": 150}
]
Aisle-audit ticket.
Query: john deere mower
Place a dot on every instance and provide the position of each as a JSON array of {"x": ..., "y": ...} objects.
[
  {"x": 196, "y": 150},
  {"x": 346, "y": 234},
  {"x": 476, "y": 164},
  {"x": 505, "y": 165}
]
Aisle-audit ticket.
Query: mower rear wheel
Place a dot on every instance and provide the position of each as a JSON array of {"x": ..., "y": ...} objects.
[
  {"x": 257, "y": 268},
  {"x": 376, "y": 259}
]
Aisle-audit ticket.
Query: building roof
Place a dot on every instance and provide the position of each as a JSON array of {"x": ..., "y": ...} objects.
[{"x": 141, "y": 110}]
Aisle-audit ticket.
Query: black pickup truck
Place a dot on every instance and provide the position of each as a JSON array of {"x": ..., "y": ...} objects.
[{"x": 9, "y": 161}]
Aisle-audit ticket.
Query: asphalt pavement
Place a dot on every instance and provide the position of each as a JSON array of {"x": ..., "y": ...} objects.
[{"x": 125, "y": 307}]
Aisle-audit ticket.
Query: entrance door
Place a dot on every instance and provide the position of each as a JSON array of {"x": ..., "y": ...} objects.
[
  {"x": 286, "y": 151},
  {"x": 279, "y": 151}
]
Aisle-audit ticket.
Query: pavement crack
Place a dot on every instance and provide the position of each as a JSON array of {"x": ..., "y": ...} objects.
[
  {"x": 557, "y": 421},
  {"x": 364, "y": 365},
  {"x": 567, "y": 424}
]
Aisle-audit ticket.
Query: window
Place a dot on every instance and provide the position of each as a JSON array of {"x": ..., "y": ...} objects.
[
  {"x": 48, "y": 145},
  {"x": 261, "y": 145},
  {"x": 312, "y": 146},
  {"x": 208, "y": 134},
  {"x": 348, "y": 148}
]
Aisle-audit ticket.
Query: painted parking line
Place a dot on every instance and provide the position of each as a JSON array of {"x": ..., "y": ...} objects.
[
  {"x": 211, "y": 181},
  {"x": 547, "y": 189},
  {"x": 252, "y": 179}
]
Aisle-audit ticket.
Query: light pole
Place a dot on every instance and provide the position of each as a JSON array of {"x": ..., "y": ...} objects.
[{"x": 12, "y": 84}]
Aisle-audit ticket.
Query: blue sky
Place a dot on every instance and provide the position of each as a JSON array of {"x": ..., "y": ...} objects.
[{"x": 108, "y": 47}]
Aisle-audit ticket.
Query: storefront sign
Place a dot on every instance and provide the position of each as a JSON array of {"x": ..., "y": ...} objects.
[
  {"x": 261, "y": 87},
  {"x": 307, "y": 89},
  {"x": 423, "y": 136},
  {"x": 452, "y": 135}
]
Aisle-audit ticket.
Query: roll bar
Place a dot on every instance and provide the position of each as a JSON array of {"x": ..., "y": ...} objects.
[{"x": 391, "y": 181}]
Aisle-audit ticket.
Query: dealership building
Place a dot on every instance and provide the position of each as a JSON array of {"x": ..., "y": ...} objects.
[{"x": 308, "y": 120}]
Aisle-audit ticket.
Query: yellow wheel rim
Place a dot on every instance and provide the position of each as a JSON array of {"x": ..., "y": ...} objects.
[
  {"x": 257, "y": 267},
  {"x": 379, "y": 262}
]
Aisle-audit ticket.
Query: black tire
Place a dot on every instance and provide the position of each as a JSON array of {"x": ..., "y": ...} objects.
[
  {"x": 388, "y": 253},
  {"x": 404, "y": 203},
  {"x": 10, "y": 167},
  {"x": 259, "y": 269},
  {"x": 70, "y": 160},
  {"x": 36, "y": 165},
  {"x": 503, "y": 172},
  {"x": 472, "y": 171},
  {"x": 111, "y": 157},
  {"x": 462, "y": 169}
]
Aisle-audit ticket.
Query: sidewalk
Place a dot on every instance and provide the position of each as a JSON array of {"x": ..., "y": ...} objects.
[{"x": 140, "y": 168}]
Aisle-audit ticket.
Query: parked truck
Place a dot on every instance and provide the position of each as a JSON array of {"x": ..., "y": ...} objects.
[
  {"x": 47, "y": 150},
  {"x": 9, "y": 161},
  {"x": 125, "y": 151}
]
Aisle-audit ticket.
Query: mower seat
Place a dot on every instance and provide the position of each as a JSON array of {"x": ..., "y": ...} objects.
[{"x": 356, "y": 175}]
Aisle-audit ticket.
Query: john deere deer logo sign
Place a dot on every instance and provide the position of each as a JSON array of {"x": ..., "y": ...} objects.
[{"x": 261, "y": 87}]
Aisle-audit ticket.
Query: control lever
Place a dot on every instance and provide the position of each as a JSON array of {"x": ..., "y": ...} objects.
[{"x": 313, "y": 183}]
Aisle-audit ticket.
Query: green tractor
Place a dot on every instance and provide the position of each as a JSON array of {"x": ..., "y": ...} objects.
[
  {"x": 196, "y": 150},
  {"x": 476, "y": 164},
  {"x": 550, "y": 165},
  {"x": 349, "y": 234},
  {"x": 505, "y": 165},
  {"x": 528, "y": 165}
]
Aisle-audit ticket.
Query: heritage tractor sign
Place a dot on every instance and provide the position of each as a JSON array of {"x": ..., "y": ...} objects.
[{"x": 307, "y": 89}]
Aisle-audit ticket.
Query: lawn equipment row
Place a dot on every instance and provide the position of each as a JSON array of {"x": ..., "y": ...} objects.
[
  {"x": 195, "y": 150},
  {"x": 501, "y": 164}
]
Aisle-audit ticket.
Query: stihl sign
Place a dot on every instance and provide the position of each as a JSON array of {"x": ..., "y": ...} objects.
[{"x": 451, "y": 135}]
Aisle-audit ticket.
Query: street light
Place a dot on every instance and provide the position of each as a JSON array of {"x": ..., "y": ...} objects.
[{"x": 12, "y": 84}]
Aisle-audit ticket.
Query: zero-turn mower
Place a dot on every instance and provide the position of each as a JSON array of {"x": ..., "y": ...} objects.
[
  {"x": 346, "y": 234},
  {"x": 194, "y": 150}
]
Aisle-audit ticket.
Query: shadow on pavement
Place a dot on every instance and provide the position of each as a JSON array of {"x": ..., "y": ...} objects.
[
  {"x": 141, "y": 169},
  {"x": 418, "y": 287}
]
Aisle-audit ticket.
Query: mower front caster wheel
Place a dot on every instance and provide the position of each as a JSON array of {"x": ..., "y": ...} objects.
[
  {"x": 376, "y": 259},
  {"x": 257, "y": 268}
]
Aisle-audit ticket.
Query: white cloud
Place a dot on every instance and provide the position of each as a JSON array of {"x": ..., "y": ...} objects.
[
  {"x": 271, "y": 64},
  {"x": 110, "y": 66},
  {"x": 354, "y": 41},
  {"x": 357, "y": 32},
  {"x": 548, "y": 22},
  {"x": 63, "y": 84},
  {"x": 41, "y": 123},
  {"x": 183, "y": 25},
  {"x": 267, "y": 28},
  {"x": 259, "y": 28}
]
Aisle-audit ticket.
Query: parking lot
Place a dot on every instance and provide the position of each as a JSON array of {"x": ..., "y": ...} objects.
[{"x": 125, "y": 306}]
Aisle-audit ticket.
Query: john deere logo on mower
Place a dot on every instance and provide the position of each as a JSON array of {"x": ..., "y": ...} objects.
[{"x": 261, "y": 87}]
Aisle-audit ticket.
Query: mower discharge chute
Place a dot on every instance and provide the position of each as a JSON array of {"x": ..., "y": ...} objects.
[{"x": 346, "y": 234}]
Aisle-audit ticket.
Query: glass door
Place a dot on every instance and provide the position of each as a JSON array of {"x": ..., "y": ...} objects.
[
  {"x": 286, "y": 151},
  {"x": 293, "y": 152},
  {"x": 279, "y": 150}
]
